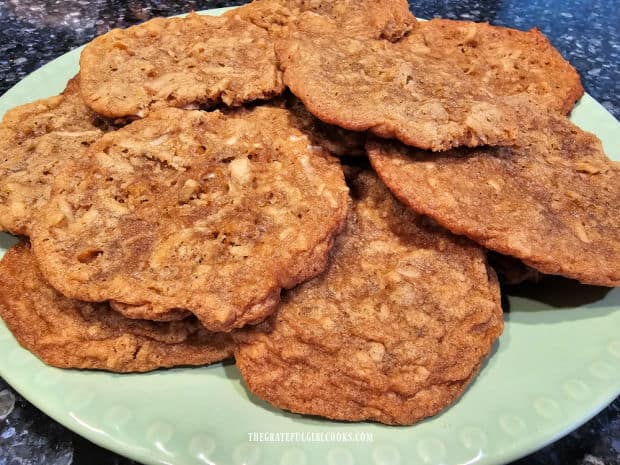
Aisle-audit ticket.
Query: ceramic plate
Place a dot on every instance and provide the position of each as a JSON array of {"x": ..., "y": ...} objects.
[{"x": 556, "y": 365}]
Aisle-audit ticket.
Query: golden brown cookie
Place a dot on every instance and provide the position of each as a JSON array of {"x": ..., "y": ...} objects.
[
  {"x": 149, "y": 312},
  {"x": 210, "y": 212},
  {"x": 385, "y": 19},
  {"x": 178, "y": 62},
  {"x": 503, "y": 60},
  {"x": 552, "y": 201},
  {"x": 393, "y": 331},
  {"x": 36, "y": 139},
  {"x": 70, "y": 334},
  {"x": 394, "y": 90}
]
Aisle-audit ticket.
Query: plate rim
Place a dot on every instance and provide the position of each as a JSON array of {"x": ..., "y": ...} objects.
[{"x": 60, "y": 415}]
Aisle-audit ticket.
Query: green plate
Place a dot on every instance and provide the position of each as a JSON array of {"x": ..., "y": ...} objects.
[{"x": 556, "y": 365}]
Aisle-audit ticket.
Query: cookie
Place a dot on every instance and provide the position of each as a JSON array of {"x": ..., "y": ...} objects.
[
  {"x": 385, "y": 19},
  {"x": 506, "y": 61},
  {"x": 391, "y": 89},
  {"x": 393, "y": 331},
  {"x": 552, "y": 201},
  {"x": 149, "y": 312},
  {"x": 67, "y": 333},
  {"x": 35, "y": 141},
  {"x": 178, "y": 62},
  {"x": 214, "y": 213}
]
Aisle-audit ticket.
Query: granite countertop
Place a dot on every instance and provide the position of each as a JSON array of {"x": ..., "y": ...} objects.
[{"x": 33, "y": 32}]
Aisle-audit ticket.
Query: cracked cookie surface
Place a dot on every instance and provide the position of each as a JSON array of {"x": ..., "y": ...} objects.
[
  {"x": 393, "y": 331},
  {"x": 214, "y": 213},
  {"x": 70, "y": 334},
  {"x": 385, "y": 19},
  {"x": 552, "y": 201},
  {"x": 178, "y": 62},
  {"x": 503, "y": 60},
  {"x": 36, "y": 140},
  {"x": 394, "y": 90}
]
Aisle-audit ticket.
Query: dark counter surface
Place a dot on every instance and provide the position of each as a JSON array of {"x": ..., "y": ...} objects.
[{"x": 33, "y": 32}]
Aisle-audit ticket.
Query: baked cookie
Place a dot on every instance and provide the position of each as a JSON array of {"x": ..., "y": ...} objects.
[
  {"x": 149, "y": 312},
  {"x": 391, "y": 89},
  {"x": 210, "y": 212},
  {"x": 380, "y": 19},
  {"x": 36, "y": 139},
  {"x": 70, "y": 334},
  {"x": 393, "y": 331},
  {"x": 178, "y": 62},
  {"x": 552, "y": 201},
  {"x": 505, "y": 61}
]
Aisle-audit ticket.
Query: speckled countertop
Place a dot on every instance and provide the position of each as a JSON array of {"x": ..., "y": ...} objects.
[{"x": 33, "y": 32}]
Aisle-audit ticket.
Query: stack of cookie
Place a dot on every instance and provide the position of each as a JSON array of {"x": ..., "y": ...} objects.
[{"x": 205, "y": 187}]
